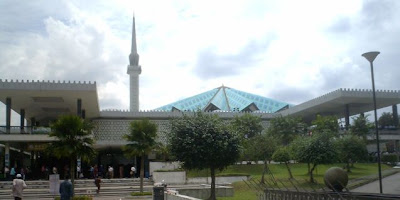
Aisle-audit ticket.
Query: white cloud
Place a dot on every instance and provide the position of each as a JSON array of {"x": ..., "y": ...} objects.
[{"x": 307, "y": 45}]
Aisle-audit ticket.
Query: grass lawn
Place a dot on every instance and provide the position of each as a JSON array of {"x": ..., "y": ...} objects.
[{"x": 243, "y": 192}]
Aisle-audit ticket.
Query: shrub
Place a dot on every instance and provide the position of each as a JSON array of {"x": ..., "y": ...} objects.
[
  {"x": 78, "y": 198},
  {"x": 169, "y": 170},
  {"x": 232, "y": 174},
  {"x": 390, "y": 158},
  {"x": 141, "y": 193}
]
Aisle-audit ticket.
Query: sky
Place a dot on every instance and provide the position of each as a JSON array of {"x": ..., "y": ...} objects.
[{"x": 287, "y": 50}]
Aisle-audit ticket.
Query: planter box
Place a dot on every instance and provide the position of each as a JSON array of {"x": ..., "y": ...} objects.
[
  {"x": 218, "y": 180},
  {"x": 179, "y": 177},
  {"x": 170, "y": 177},
  {"x": 154, "y": 166}
]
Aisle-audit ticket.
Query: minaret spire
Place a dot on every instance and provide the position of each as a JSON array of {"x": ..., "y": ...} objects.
[
  {"x": 134, "y": 56},
  {"x": 134, "y": 70}
]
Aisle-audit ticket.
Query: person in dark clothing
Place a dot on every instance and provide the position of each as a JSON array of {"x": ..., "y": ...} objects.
[
  {"x": 66, "y": 192},
  {"x": 97, "y": 182}
]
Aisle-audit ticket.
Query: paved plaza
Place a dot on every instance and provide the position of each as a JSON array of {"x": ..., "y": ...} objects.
[{"x": 390, "y": 185}]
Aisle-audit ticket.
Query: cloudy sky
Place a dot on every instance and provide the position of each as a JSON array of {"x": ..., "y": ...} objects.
[{"x": 287, "y": 50}]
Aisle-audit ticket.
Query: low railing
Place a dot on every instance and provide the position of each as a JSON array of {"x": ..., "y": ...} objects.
[
  {"x": 25, "y": 130},
  {"x": 280, "y": 189},
  {"x": 319, "y": 195}
]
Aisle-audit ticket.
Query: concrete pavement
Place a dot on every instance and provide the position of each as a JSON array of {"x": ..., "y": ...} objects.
[{"x": 390, "y": 185}]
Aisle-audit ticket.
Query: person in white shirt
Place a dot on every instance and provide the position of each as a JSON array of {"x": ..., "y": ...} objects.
[
  {"x": 17, "y": 187},
  {"x": 110, "y": 172},
  {"x": 133, "y": 171}
]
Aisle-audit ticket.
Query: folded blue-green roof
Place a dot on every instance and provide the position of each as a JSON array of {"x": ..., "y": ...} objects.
[{"x": 226, "y": 99}]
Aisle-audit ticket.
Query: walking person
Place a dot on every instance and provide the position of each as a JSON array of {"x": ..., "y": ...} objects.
[
  {"x": 97, "y": 182},
  {"x": 78, "y": 172},
  {"x": 22, "y": 171},
  {"x": 91, "y": 170},
  {"x": 133, "y": 171},
  {"x": 18, "y": 187},
  {"x": 13, "y": 172},
  {"x": 95, "y": 171},
  {"x": 110, "y": 172},
  {"x": 66, "y": 192},
  {"x": 7, "y": 172}
]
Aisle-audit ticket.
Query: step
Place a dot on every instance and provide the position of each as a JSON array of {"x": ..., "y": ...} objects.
[{"x": 40, "y": 194}]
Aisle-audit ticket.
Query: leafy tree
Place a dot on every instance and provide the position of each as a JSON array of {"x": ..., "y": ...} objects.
[
  {"x": 283, "y": 154},
  {"x": 141, "y": 141},
  {"x": 203, "y": 141},
  {"x": 286, "y": 128},
  {"x": 386, "y": 119},
  {"x": 163, "y": 151},
  {"x": 246, "y": 127},
  {"x": 315, "y": 150},
  {"x": 261, "y": 147},
  {"x": 361, "y": 126},
  {"x": 74, "y": 141},
  {"x": 325, "y": 124},
  {"x": 351, "y": 149}
]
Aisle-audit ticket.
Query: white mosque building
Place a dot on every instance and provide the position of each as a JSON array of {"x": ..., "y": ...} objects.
[{"x": 40, "y": 102}]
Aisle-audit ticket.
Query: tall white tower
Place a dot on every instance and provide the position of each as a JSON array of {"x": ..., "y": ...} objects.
[{"x": 134, "y": 70}]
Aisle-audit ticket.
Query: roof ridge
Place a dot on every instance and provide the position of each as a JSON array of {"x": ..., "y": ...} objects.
[{"x": 215, "y": 94}]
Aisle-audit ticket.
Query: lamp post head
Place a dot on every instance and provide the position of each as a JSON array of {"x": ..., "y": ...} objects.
[{"x": 370, "y": 56}]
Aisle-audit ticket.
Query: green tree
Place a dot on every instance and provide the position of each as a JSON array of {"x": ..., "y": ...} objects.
[
  {"x": 163, "y": 151},
  {"x": 315, "y": 150},
  {"x": 325, "y": 124},
  {"x": 283, "y": 154},
  {"x": 247, "y": 125},
  {"x": 351, "y": 149},
  {"x": 203, "y": 141},
  {"x": 73, "y": 140},
  {"x": 386, "y": 119},
  {"x": 141, "y": 141},
  {"x": 361, "y": 126},
  {"x": 286, "y": 129},
  {"x": 261, "y": 147}
]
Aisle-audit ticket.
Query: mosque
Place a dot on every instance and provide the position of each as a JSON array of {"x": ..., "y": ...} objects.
[{"x": 40, "y": 102}]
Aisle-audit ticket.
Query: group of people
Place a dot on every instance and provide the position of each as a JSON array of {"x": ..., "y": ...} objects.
[
  {"x": 11, "y": 173},
  {"x": 109, "y": 172},
  {"x": 18, "y": 186},
  {"x": 66, "y": 189}
]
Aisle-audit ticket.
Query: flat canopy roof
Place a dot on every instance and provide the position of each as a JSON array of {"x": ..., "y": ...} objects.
[
  {"x": 46, "y": 101},
  {"x": 334, "y": 103}
]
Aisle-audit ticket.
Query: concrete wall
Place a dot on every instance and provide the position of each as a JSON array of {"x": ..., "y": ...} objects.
[
  {"x": 163, "y": 166},
  {"x": 170, "y": 177},
  {"x": 180, "y": 178},
  {"x": 205, "y": 192},
  {"x": 218, "y": 180},
  {"x": 174, "y": 195}
]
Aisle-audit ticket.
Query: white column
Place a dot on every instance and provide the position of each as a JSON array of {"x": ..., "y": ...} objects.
[
  {"x": 134, "y": 72},
  {"x": 134, "y": 92}
]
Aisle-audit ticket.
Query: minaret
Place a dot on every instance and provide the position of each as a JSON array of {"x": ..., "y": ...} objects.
[{"x": 134, "y": 71}]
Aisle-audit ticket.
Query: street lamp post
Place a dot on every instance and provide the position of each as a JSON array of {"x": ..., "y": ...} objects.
[{"x": 370, "y": 56}]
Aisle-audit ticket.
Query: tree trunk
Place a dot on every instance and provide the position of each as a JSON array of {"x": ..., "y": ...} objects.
[
  {"x": 309, "y": 168},
  {"x": 311, "y": 173},
  {"x": 212, "y": 196},
  {"x": 288, "y": 168},
  {"x": 348, "y": 166},
  {"x": 141, "y": 172},
  {"x": 262, "y": 181}
]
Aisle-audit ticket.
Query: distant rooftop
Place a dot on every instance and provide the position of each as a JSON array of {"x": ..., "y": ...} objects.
[{"x": 226, "y": 99}]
